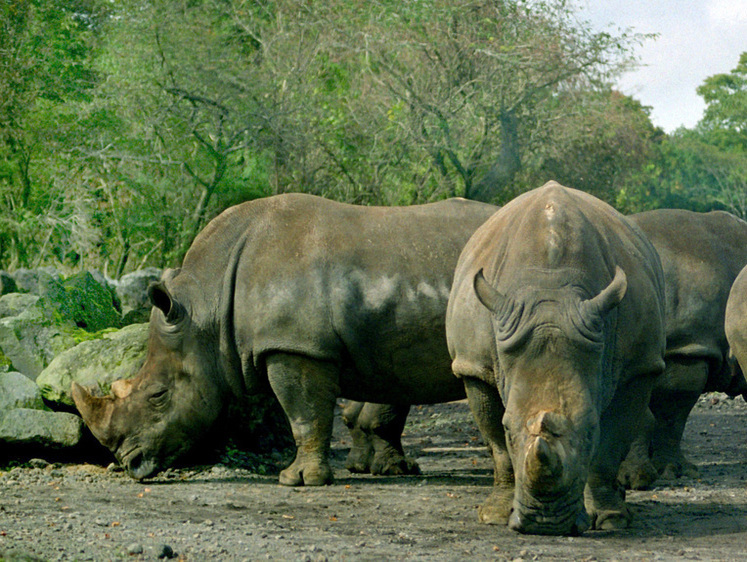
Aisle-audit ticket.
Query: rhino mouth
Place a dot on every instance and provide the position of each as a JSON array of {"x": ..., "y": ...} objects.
[
  {"x": 564, "y": 517},
  {"x": 137, "y": 465}
]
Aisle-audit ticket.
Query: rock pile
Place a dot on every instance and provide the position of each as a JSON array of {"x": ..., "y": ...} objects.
[{"x": 54, "y": 330}]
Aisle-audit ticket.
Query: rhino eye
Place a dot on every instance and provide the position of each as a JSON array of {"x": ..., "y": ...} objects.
[{"x": 158, "y": 398}]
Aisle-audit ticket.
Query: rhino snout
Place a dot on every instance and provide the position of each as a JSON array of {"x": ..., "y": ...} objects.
[
  {"x": 138, "y": 466},
  {"x": 527, "y": 523}
]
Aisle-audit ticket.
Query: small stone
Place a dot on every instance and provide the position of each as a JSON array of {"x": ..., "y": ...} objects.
[
  {"x": 135, "y": 548},
  {"x": 38, "y": 463},
  {"x": 165, "y": 551}
]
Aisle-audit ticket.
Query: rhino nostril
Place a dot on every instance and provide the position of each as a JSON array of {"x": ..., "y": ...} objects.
[{"x": 135, "y": 462}]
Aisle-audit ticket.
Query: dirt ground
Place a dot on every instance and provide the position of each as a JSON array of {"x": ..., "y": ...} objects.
[{"x": 86, "y": 512}]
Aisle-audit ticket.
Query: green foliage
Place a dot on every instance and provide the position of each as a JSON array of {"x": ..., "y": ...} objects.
[
  {"x": 724, "y": 123},
  {"x": 126, "y": 126},
  {"x": 701, "y": 169}
]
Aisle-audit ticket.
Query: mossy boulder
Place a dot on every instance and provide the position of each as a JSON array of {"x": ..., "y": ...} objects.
[
  {"x": 99, "y": 362},
  {"x": 30, "y": 340},
  {"x": 88, "y": 303}
]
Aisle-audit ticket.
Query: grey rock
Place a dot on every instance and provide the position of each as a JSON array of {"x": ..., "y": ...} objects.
[
  {"x": 28, "y": 280},
  {"x": 34, "y": 337},
  {"x": 23, "y": 426},
  {"x": 38, "y": 463},
  {"x": 165, "y": 551},
  {"x": 116, "y": 355},
  {"x": 14, "y": 304},
  {"x": 18, "y": 391},
  {"x": 132, "y": 290}
]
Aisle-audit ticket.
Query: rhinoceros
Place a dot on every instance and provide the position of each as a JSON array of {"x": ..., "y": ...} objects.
[
  {"x": 735, "y": 324},
  {"x": 320, "y": 299},
  {"x": 555, "y": 324},
  {"x": 701, "y": 254}
]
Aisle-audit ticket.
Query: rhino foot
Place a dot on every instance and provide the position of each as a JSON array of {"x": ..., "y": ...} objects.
[
  {"x": 299, "y": 474},
  {"x": 608, "y": 520},
  {"x": 638, "y": 475},
  {"x": 359, "y": 460},
  {"x": 675, "y": 469},
  {"x": 497, "y": 508},
  {"x": 395, "y": 466}
]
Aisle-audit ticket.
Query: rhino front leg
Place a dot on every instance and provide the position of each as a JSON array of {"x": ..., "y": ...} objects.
[
  {"x": 672, "y": 399},
  {"x": 487, "y": 409},
  {"x": 621, "y": 422},
  {"x": 307, "y": 390}
]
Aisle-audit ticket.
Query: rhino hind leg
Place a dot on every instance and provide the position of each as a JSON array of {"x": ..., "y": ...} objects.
[
  {"x": 376, "y": 430},
  {"x": 307, "y": 390},
  {"x": 487, "y": 409},
  {"x": 672, "y": 399},
  {"x": 361, "y": 452}
]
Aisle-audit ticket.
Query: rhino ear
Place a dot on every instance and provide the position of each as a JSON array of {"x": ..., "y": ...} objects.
[
  {"x": 161, "y": 298},
  {"x": 487, "y": 294}
]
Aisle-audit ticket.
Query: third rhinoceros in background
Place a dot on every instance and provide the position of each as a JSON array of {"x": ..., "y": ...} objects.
[
  {"x": 318, "y": 298},
  {"x": 555, "y": 324},
  {"x": 701, "y": 255},
  {"x": 736, "y": 323}
]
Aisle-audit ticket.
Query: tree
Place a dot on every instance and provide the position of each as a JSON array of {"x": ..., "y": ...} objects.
[
  {"x": 724, "y": 122},
  {"x": 45, "y": 51},
  {"x": 153, "y": 116}
]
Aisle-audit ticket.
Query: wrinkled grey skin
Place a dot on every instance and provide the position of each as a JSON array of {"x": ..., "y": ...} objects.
[
  {"x": 736, "y": 324},
  {"x": 556, "y": 327},
  {"x": 319, "y": 299},
  {"x": 701, "y": 255}
]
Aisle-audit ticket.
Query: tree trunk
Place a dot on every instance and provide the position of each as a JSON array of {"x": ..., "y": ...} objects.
[{"x": 506, "y": 166}]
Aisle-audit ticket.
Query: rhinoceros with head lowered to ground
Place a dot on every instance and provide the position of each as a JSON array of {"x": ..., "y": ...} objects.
[
  {"x": 556, "y": 327},
  {"x": 320, "y": 299}
]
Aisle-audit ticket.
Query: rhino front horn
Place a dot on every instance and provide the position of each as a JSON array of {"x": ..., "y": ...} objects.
[
  {"x": 96, "y": 411},
  {"x": 543, "y": 462}
]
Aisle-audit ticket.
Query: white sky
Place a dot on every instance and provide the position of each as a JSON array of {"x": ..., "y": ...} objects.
[{"x": 697, "y": 39}]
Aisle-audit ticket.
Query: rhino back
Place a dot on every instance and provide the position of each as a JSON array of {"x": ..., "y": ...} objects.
[
  {"x": 363, "y": 287},
  {"x": 556, "y": 229},
  {"x": 701, "y": 255}
]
